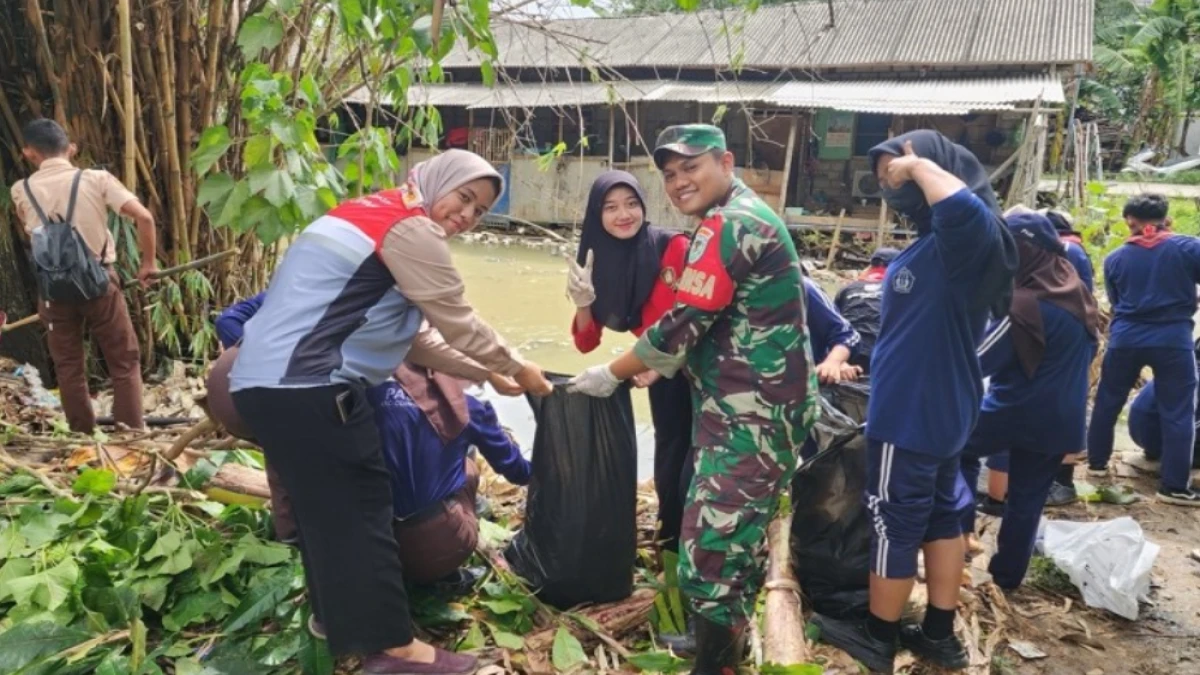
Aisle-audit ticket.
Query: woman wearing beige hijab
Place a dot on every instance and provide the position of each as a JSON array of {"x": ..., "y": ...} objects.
[{"x": 347, "y": 304}]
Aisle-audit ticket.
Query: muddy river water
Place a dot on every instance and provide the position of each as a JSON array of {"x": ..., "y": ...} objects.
[{"x": 521, "y": 292}]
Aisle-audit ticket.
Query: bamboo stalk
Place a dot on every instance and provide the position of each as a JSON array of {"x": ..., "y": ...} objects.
[
  {"x": 126, "y": 29},
  {"x": 179, "y": 240},
  {"x": 34, "y": 13},
  {"x": 783, "y": 621},
  {"x": 216, "y": 14},
  {"x": 837, "y": 237},
  {"x": 183, "y": 106}
]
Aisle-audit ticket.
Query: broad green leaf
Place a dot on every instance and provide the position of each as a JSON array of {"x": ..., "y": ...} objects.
[
  {"x": 797, "y": 669},
  {"x": 214, "y": 192},
  {"x": 26, "y": 643},
  {"x": 275, "y": 185},
  {"x": 12, "y": 543},
  {"x": 314, "y": 657},
  {"x": 310, "y": 203},
  {"x": 489, "y": 73},
  {"x": 221, "y": 565},
  {"x": 500, "y": 607},
  {"x": 115, "y": 664},
  {"x": 286, "y": 132},
  {"x": 309, "y": 91},
  {"x": 190, "y": 666},
  {"x": 505, "y": 639},
  {"x": 214, "y": 143},
  {"x": 352, "y": 11},
  {"x": 13, "y": 569},
  {"x": 430, "y": 610},
  {"x": 195, "y": 608},
  {"x": 17, "y": 483},
  {"x": 259, "y": 32},
  {"x": 177, "y": 562},
  {"x": 39, "y": 527},
  {"x": 152, "y": 591},
  {"x": 165, "y": 545},
  {"x": 48, "y": 589},
  {"x": 260, "y": 601},
  {"x": 473, "y": 640},
  {"x": 97, "y": 482},
  {"x": 257, "y": 151},
  {"x": 658, "y": 662},
  {"x": 567, "y": 652},
  {"x": 263, "y": 553}
]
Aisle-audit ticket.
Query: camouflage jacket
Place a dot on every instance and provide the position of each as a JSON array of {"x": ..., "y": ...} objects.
[{"x": 739, "y": 325}]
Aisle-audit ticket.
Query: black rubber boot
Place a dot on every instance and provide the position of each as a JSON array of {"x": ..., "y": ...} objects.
[
  {"x": 682, "y": 645},
  {"x": 853, "y": 638},
  {"x": 719, "y": 649}
]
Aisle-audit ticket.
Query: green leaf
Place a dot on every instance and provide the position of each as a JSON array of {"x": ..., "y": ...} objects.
[
  {"x": 214, "y": 192},
  {"x": 115, "y": 664},
  {"x": 1118, "y": 494},
  {"x": 26, "y": 643},
  {"x": 352, "y": 11},
  {"x": 190, "y": 666},
  {"x": 165, "y": 545},
  {"x": 430, "y": 610},
  {"x": 501, "y": 607},
  {"x": 286, "y": 132},
  {"x": 257, "y": 151},
  {"x": 137, "y": 637},
  {"x": 314, "y": 657},
  {"x": 233, "y": 206},
  {"x": 221, "y": 565},
  {"x": 214, "y": 143},
  {"x": 48, "y": 589},
  {"x": 658, "y": 662},
  {"x": 260, "y": 601},
  {"x": 798, "y": 669},
  {"x": 177, "y": 562},
  {"x": 194, "y": 608},
  {"x": 40, "y": 528},
  {"x": 263, "y": 553},
  {"x": 309, "y": 91},
  {"x": 259, "y": 32},
  {"x": 812, "y": 632},
  {"x": 567, "y": 652},
  {"x": 13, "y": 569},
  {"x": 152, "y": 591},
  {"x": 473, "y": 640},
  {"x": 274, "y": 184},
  {"x": 489, "y": 73},
  {"x": 97, "y": 482},
  {"x": 505, "y": 639},
  {"x": 12, "y": 543}
]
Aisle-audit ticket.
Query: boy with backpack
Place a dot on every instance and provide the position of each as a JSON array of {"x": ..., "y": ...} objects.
[{"x": 64, "y": 211}]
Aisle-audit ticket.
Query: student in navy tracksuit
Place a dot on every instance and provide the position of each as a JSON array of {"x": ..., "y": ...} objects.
[
  {"x": 1145, "y": 425},
  {"x": 230, "y": 325},
  {"x": 832, "y": 337},
  {"x": 1151, "y": 283},
  {"x": 1038, "y": 358},
  {"x": 926, "y": 391}
]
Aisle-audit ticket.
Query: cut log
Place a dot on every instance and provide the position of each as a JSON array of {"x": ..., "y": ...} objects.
[
  {"x": 783, "y": 622},
  {"x": 238, "y": 484}
]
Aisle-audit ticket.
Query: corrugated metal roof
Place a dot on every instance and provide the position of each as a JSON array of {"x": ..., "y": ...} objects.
[
  {"x": 866, "y": 33},
  {"x": 922, "y": 97}
]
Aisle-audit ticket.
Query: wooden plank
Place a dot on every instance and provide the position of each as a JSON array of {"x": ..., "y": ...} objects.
[{"x": 787, "y": 162}]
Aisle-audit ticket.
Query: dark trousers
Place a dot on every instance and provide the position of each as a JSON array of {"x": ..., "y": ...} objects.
[
  {"x": 438, "y": 540},
  {"x": 1175, "y": 385},
  {"x": 338, "y": 485},
  {"x": 671, "y": 410},
  {"x": 107, "y": 319}
]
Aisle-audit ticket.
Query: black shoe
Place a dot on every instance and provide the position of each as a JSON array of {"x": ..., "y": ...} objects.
[
  {"x": 719, "y": 649},
  {"x": 458, "y": 583},
  {"x": 947, "y": 652},
  {"x": 682, "y": 645},
  {"x": 1188, "y": 497},
  {"x": 992, "y": 507},
  {"x": 1061, "y": 495},
  {"x": 853, "y": 638}
]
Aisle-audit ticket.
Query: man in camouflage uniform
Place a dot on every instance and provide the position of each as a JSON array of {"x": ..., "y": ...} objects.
[{"x": 738, "y": 326}]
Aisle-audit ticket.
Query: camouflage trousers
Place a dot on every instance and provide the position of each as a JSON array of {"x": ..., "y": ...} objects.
[{"x": 733, "y": 497}]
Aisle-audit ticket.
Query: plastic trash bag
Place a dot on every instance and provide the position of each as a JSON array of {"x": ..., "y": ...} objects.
[
  {"x": 1108, "y": 561},
  {"x": 579, "y": 542},
  {"x": 831, "y": 526}
]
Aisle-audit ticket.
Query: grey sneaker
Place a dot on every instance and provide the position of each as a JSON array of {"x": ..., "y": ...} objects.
[{"x": 1061, "y": 495}]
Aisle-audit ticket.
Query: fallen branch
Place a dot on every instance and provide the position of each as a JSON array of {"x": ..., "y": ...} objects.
[
  {"x": 608, "y": 621},
  {"x": 17, "y": 465},
  {"x": 783, "y": 620}
]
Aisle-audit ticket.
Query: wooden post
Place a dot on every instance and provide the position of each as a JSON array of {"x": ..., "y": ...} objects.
[
  {"x": 749, "y": 139},
  {"x": 787, "y": 161},
  {"x": 882, "y": 231},
  {"x": 783, "y": 622},
  {"x": 126, "y": 28},
  {"x": 837, "y": 238},
  {"x": 612, "y": 133}
]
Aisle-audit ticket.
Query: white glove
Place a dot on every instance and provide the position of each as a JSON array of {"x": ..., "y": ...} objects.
[
  {"x": 596, "y": 381},
  {"x": 579, "y": 281}
]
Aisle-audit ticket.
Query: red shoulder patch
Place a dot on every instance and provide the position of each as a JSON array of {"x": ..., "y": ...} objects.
[{"x": 705, "y": 283}]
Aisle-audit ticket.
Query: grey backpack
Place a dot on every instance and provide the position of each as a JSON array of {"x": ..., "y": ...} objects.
[{"x": 64, "y": 266}]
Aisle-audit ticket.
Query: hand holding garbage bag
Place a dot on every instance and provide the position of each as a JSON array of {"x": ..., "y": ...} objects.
[{"x": 597, "y": 381}]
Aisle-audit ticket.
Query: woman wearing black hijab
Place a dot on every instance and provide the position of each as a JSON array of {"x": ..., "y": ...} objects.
[
  {"x": 623, "y": 279},
  {"x": 925, "y": 392}
]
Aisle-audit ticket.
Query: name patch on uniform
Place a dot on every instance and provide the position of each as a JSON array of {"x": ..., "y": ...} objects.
[
  {"x": 667, "y": 276},
  {"x": 698, "y": 284},
  {"x": 699, "y": 244},
  {"x": 903, "y": 281}
]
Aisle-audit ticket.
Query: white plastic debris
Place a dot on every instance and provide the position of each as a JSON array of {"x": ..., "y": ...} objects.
[{"x": 1108, "y": 561}]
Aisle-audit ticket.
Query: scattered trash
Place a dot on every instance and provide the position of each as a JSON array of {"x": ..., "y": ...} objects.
[
  {"x": 1027, "y": 650},
  {"x": 1108, "y": 561},
  {"x": 1120, "y": 495}
]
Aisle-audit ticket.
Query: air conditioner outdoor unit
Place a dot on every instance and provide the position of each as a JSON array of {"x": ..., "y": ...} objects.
[{"x": 866, "y": 185}]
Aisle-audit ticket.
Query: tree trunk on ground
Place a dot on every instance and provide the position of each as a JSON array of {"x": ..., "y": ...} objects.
[{"x": 783, "y": 621}]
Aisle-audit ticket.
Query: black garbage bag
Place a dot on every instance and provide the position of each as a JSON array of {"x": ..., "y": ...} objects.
[
  {"x": 831, "y": 526},
  {"x": 579, "y": 542}
]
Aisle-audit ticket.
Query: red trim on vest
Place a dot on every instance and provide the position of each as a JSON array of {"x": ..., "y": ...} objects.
[
  {"x": 705, "y": 283},
  {"x": 375, "y": 214}
]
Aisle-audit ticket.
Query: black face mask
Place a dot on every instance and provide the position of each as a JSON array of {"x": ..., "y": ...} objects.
[{"x": 910, "y": 202}]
